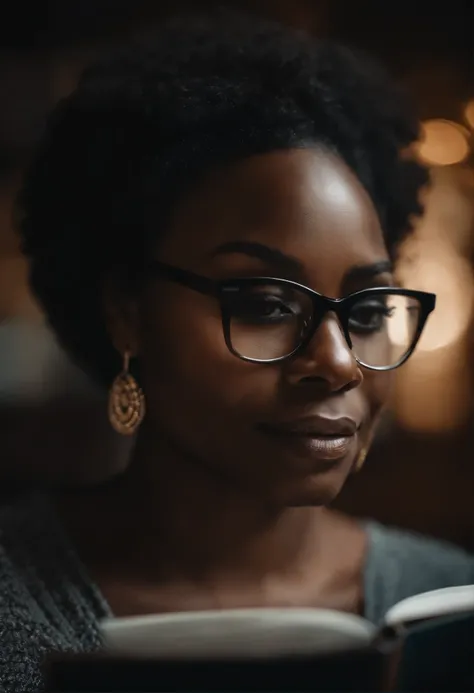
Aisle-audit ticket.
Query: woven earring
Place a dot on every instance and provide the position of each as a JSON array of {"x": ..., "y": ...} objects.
[{"x": 126, "y": 401}]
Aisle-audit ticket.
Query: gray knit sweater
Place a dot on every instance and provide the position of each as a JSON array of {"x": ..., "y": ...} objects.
[{"x": 48, "y": 603}]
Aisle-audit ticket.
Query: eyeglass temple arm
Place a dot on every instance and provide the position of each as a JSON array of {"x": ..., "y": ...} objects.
[{"x": 203, "y": 285}]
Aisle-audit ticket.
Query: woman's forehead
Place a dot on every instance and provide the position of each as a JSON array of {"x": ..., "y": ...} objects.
[{"x": 306, "y": 203}]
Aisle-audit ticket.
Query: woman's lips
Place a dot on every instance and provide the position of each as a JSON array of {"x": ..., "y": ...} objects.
[{"x": 324, "y": 438}]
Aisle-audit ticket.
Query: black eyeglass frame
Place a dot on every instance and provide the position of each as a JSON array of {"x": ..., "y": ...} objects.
[{"x": 322, "y": 305}]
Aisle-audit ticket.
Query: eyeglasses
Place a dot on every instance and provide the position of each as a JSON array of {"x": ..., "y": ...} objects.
[{"x": 269, "y": 320}]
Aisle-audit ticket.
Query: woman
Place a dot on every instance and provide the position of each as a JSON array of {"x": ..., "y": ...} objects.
[{"x": 211, "y": 222}]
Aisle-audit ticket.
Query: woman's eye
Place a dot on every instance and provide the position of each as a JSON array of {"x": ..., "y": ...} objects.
[
  {"x": 264, "y": 308},
  {"x": 369, "y": 317}
]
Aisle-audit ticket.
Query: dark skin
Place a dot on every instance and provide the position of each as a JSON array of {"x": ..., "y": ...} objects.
[{"x": 213, "y": 513}]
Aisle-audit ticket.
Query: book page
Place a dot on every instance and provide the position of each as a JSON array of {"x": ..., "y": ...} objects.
[
  {"x": 442, "y": 602},
  {"x": 237, "y": 633}
]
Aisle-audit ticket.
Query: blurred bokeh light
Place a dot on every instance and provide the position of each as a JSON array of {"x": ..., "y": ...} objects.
[
  {"x": 469, "y": 113},
  {"x": 443, "y": 143}
]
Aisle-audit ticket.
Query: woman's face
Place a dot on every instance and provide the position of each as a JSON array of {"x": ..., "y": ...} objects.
[{"x": 264, "y": 427}]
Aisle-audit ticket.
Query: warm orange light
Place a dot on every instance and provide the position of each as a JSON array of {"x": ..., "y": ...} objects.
[
  {"x": 434, "y": 388},
  {"x": 449, "y": 276},
  {"x": 469, "y": 113},
  {"x": 443, "y": 143},
  {"x": 433, "y": 391}
]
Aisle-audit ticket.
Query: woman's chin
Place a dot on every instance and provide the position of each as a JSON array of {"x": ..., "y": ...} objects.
[{"x": 318, "y": 489}]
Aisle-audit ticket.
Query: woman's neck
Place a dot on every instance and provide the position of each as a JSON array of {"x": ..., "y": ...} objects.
[{"x": 169, "y": 535}]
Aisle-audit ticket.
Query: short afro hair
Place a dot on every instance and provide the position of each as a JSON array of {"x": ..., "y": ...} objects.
[{"x": 145, "y": 123}]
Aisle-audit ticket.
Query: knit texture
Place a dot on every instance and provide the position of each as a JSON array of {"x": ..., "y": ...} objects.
[{"x": 48, "y": 603}]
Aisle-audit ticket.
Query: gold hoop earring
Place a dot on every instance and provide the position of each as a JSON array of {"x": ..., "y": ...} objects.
[
  {"x": 361, "y": 459},
  {"x": 126, "y": 401}
]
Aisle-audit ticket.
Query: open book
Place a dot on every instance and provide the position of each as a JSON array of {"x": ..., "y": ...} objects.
[{"x": 425, "y": 643}]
